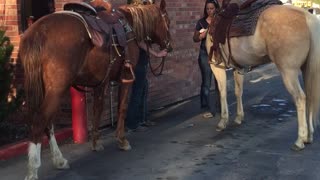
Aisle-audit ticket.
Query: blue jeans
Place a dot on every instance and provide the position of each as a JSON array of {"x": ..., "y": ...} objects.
[
  {"x": 137, "y": 107},
  {"x": 206, "y": 77}
]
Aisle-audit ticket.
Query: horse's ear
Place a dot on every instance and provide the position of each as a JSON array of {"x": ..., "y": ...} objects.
[{"x": 163, "y": 5}]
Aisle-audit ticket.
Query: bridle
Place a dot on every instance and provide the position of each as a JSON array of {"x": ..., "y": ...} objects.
[
  {"x": 167, "y": 40},
  {"x": 167, "y": 46}
]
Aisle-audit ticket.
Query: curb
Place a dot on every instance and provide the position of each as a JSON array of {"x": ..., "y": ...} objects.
[{"x": 20, "y": 148}]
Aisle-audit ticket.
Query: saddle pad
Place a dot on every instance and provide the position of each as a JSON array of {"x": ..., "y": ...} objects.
[
  {"x": 97, "y": 24},
  {"x": 113, "y": 21},
  {"x": 244, "y": 24},
  {"x": 121, "y": 34}
]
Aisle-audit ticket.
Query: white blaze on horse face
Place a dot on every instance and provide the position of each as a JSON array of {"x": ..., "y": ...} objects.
[{"x": 34, "y": 160}]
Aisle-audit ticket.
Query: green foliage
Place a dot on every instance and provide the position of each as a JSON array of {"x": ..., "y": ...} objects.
[{"x": 6, "y": 76}]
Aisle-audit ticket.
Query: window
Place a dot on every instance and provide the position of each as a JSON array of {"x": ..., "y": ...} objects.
[{"x": 32, "y": 10}]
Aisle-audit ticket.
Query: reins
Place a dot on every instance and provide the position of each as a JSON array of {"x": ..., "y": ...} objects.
[{"x": 161, "y": 65}]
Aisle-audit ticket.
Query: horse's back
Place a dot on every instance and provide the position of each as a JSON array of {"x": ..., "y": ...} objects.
[
  {"x": 58, "y": 28},
  {"x": 280, "y": 20},
  {"x": 57, "y": 36},
  {"x": 284, "y": 29}
]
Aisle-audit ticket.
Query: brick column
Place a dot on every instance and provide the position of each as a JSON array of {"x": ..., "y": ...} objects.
[{"x": 9, "y": 20}]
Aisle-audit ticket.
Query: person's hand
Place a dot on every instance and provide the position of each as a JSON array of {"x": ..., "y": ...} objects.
[
  {"x": 162, "y": 53},
  {"x": 203, "y": 33}
]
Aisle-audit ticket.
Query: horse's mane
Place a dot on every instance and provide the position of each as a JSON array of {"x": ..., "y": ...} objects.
[
  {"x": 136, "y": 2},
  {"x": 145, "y": 19}
]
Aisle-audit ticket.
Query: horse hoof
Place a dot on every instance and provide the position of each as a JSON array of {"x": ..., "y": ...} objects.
[
  {"x": 219, "y": 129},
  {"x": 125, "y": 146},
  {"x": 97, "y": 148},
  {"x": 297, "y": 148},
  {"x": 309, "y": 140},
  {"x": 31, "y": 177},
  {"x": 62, "y": 164},
  {"x": 221, "y": 126},
  {"x": 237, "y": 121}
]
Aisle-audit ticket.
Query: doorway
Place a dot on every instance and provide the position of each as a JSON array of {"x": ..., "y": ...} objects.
[{"x": 32, "y": 10}]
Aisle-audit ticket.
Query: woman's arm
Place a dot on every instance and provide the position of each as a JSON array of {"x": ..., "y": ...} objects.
[
  {"x": 199, "y": 35},
  {"x": 159, "y": 54},
  {"x": 196, "y": 36}
]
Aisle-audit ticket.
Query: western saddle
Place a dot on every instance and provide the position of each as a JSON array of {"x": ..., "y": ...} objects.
[
  {"x": 104, "y": 28},
  {"x": 233, "y": 20}
]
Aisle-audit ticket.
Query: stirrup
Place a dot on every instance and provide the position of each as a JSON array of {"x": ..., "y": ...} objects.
[{"x": 128, "y": 65}]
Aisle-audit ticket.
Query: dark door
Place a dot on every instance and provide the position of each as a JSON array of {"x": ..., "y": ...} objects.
[
  {"x": 41, "y": 8},
  {"x": 34, "y": 10}
]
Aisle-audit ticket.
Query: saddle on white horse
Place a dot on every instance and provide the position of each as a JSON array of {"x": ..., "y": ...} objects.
[{"x": 233, "y": 20}]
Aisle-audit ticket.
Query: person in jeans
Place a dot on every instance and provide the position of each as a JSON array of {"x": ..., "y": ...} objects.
[
  {"x": 137, "y": 108},
  {"x": 206, "y": 73}
]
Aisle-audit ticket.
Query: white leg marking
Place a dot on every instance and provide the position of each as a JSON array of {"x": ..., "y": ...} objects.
[
  {"x": 58, "y": 160},
  {"x": 34, "y": 163}
]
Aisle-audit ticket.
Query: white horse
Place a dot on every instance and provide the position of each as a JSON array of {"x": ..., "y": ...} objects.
[{"x": 289, "y": 37}]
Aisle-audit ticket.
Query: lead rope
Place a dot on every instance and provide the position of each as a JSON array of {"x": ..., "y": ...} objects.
[{"x": 161, "y": 65}]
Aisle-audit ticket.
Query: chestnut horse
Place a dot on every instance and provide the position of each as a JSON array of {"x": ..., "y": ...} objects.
[
  {"x": 57, "y": 53},
  {"x": 289, "y": 37}
]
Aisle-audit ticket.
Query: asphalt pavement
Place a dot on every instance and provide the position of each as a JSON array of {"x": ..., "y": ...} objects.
[{"x": 185, "y": 146}]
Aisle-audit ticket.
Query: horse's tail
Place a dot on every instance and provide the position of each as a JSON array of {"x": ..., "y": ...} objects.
[
  {"x": 30, "y": 54},
  {"x": 312, "y": 71}
]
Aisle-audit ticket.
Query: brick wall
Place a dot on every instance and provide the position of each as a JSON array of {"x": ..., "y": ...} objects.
[
  {"x": 9, "y": 19},
  {"x": 181, "y": 75}
]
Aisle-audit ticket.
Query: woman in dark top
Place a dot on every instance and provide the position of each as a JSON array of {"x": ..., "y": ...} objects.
[{"x": 206, "y": 73}]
